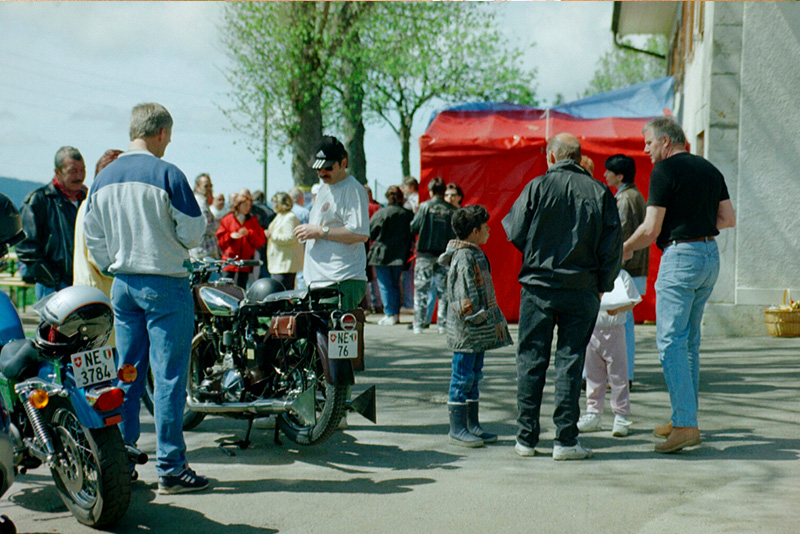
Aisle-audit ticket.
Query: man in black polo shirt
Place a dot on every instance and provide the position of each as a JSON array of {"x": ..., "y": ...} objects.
[{"x": 687, "y": 206}]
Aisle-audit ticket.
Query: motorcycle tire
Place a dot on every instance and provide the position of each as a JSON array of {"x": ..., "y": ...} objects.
[
  {"x": 200, "y": 344},
  {"x": 6, "y": 525},
  {"x": 93, "y": 479},
  {"x": 331, "y": 403}
]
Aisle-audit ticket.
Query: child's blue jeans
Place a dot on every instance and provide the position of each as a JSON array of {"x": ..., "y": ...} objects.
[{"x": 467, "y": 373}]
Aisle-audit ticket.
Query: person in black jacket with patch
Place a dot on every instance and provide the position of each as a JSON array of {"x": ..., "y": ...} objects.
[
  {"x": 567, "y": 227},
  {"x": 48, "y": 217},
  {"x": 432, "y": 223}
]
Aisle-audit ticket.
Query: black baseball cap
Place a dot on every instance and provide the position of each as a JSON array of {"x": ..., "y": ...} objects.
[{"x": 329, "y": 151}]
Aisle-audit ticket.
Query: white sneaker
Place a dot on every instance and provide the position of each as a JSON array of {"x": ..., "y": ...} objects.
[
  {"x": 589, "y": 422},
  {"x": 621, "y": 424},
  {"x": 389, "y": 320},
  {"x": 417, "y": 329},
  {"x": 524, "y": 450},
  {"x": 442, "y": 330},
  {"x": 576, "y": 452}
]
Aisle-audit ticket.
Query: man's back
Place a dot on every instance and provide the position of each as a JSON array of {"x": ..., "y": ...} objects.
[
  {"x": 142, "y": 217},
  {"x": 567, "y": 226},
  {"x": 432, "y": 223}
]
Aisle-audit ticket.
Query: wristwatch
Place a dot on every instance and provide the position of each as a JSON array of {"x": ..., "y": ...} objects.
[{"x": 325, "y": 231}]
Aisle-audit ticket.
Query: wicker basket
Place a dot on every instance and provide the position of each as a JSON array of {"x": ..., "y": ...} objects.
[{"x": 783, "y": 322}]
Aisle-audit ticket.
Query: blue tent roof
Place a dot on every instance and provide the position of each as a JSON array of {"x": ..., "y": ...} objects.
[{"x": 646, "y": 99}]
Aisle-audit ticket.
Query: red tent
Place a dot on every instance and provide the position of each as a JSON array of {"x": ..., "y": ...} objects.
[{"x": 493, "y": 153}]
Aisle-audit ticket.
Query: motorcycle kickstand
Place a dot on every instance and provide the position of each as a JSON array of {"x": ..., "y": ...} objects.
[{"x": 242, "y": 443}]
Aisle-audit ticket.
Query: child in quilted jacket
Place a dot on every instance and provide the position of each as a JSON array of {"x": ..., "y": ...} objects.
[{"x": 475, "y": 323}]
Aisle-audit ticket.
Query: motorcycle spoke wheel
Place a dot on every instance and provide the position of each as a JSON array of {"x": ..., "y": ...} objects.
[
  {"x": 329, "y": 401},
  {"x": 91, "y": 471},
  {"x": 78, "y": 467}
]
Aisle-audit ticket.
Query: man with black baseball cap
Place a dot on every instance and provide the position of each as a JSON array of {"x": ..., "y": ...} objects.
[{"x": 338, "y": 226}]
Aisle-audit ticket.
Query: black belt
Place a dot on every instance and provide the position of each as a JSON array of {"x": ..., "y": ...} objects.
[{"x": 693, "y": 240}]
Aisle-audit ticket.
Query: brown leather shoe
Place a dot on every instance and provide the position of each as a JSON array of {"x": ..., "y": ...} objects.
[
  {"x": 663, "y": 431},
  {"x": 680, "y": 437}
]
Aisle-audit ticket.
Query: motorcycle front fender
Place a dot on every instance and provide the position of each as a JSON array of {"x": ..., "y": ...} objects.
[{"x": 337, "y": 372}]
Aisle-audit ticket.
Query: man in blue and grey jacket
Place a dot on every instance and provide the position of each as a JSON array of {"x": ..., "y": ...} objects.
[{"x": 141, "y": 221}]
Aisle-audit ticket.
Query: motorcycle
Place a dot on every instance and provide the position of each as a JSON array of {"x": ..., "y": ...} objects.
[
  {"x": 266, "y": 352},
  {"x": 63, "y": 406}
]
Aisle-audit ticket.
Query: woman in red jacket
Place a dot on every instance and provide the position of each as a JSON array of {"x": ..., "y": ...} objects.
[{"x": 240, "y": 235}]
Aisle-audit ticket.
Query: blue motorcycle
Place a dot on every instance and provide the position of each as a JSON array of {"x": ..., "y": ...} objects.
[{"x": 63, "y": 406}]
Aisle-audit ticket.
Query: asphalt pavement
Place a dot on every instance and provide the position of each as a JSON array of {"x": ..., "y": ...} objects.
[{"x": 402, "y": 475}]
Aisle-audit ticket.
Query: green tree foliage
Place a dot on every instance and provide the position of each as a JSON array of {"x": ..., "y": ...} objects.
[
  {"x": 281, "y": 54},
  {"x": 298, "y": 64},
  {"x": 418, "y": 52},
  {"x": 621, "y": 67}
]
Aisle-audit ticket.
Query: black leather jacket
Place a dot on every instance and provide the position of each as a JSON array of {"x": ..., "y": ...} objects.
[
  {"x": 432, "y": 223},
  {"x": 567, "y": 226},
  {"x": 48, "y": 219}
]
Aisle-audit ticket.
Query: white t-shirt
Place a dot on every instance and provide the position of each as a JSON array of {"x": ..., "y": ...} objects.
[
  {"x": 623, "y": 294},
  {"x": 337, "y": 205}
]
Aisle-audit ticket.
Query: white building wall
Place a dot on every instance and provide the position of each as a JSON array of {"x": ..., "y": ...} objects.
[{"x": 742, "y": 92}]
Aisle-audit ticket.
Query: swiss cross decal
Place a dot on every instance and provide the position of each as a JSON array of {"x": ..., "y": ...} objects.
[
  {"x": 78, "y": 361},
  {"x": 333, "y": 338}
]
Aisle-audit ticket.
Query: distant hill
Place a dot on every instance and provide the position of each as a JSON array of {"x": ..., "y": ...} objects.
[{"x": 17, "y": 190}]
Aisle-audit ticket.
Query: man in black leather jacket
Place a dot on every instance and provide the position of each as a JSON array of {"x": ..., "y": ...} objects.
[
  {"x": 567, "y": 226},
  {"x": 48, "y": 217},
  {"x": 432, "y": 224}
]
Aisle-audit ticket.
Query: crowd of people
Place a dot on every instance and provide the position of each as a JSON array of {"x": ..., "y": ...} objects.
[{"x": 584, "y": 264}]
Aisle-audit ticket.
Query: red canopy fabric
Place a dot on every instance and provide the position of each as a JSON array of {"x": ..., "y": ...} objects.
[{"x": 492, "y": 155}]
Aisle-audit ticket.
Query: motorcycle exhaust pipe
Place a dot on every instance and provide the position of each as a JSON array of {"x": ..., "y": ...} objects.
[
  {"x": 259, "y": 407},
  {"x": 135, "y": 455}
]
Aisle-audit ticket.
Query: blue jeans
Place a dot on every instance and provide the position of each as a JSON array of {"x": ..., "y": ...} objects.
[
  {"x": 153, "y": 318},
  {"x": 389, "y": 285},
  {"x": 467, "y": 373},
  {"x": 685, "y": 280},
  {"x": 630, "y": 339},
  {"x": 42, "y": 290}
]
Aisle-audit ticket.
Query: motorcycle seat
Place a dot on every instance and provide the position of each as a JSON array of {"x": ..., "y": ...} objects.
[{"x": 19, "y": 359}]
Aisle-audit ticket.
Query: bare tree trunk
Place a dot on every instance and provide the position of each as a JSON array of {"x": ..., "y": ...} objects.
[
  {"x": 353, "y": 91},
  {"x": 304, "y": 141},
  {"x": 405, "y": 143}
]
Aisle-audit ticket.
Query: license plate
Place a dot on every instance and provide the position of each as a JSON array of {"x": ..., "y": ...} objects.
[
  {"x": 343, "y": 344},
  {"x": 93, "y": 366}
]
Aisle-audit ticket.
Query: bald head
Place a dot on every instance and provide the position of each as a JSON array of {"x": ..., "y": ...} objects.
[{"x": 563, "y": 146}]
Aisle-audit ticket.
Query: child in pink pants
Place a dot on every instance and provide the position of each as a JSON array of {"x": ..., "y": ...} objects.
[{"x": 607, "y": 359}]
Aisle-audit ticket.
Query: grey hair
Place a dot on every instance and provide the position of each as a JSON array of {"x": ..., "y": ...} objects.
[
  {"x": 148, "y": 119},
  {"x": 565, "y": 146},
  {"x": 666, "y": 127},
  {"x": 296, "y": 193},
  {"x": 66, "y": 152}
]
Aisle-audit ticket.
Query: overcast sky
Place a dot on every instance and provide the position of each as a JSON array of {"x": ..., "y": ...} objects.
[{"x": 71, "y": 71}]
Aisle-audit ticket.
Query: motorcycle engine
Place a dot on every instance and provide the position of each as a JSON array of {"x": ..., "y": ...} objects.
[{"x": 232, "y": 386}]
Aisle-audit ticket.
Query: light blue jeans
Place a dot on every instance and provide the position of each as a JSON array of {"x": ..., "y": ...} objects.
[
  {"x": 630, "y": 339},
  {"x": 686, "y": 278},
  {"x": 154, "y": 324},
  {"x": 389, "y": 285},
  {"x": 467, "y": 374}
]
